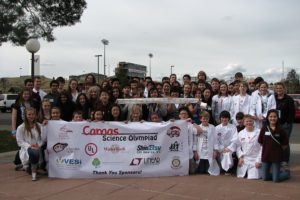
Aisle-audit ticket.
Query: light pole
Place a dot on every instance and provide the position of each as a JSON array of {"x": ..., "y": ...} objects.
[
  {"x": 20, "y": 71},
  {"x": 150, "y": 56},
  {"x": 104, "y": 42},
  {"x": 33, "y": 46},
  {"x": 171, "y": 69},
  {"x": 97, "y": 56}
]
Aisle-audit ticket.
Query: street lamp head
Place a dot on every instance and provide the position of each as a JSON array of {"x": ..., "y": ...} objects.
[
  {"x": 105, "y": 41},
  {"x": 150, "y": 55},
  {"x": 33, "y": 45}
]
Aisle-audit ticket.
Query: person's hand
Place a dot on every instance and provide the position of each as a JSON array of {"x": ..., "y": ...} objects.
[
  {"x": 258, "y": 165},
  {"x": 45, "y": 122},
  {"x": 13, "y": 133},
  {"x": 196, "y": 155},
  {"x": 34, "y": 146},
  {"x": 226, "y": 150},
  {"x": 241, "y": 161},
  {"x": 189, "y": 120},
  {"x": 215, "y": 154}
]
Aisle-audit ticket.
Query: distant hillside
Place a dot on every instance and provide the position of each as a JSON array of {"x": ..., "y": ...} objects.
[{"x": 16, "y": 83}]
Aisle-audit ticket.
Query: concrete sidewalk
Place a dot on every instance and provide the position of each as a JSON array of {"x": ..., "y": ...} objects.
[{"x": 18, "y": 185}]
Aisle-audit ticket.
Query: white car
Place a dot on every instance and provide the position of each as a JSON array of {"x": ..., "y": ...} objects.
[{"x": 6, "y": 101}]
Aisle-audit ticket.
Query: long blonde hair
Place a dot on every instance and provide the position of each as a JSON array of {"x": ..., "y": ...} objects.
[{"x": 27, "y": 124}]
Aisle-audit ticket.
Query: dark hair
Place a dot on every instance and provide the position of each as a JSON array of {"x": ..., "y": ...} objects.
[
  {"x": 214, "y": 79},
  {"x": 238, "y": 75},
  {"x": 277, "y": 114},
  {"x": 257, "y": 80},
  {"x": 239, "y": 115},
  {"x": 53, "y": 82},
  {"x": 225, "y": 114},
  {"x": 60, "y": 79},
  {"x": 187, "y": 75},
  {"x": 28, "y": 80},
  {"x": 185, "y": 109},
  {"x": 115, "y": 80}
]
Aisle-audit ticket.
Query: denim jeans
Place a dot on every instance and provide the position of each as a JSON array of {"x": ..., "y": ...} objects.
[
  {"x": 34, "y": 156},
  {"x": 286, "y": 152},
  {"x": 276, "y": 174}
]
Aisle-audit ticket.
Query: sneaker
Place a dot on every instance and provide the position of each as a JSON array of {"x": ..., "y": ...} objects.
[{"x": 33, "y": 176}]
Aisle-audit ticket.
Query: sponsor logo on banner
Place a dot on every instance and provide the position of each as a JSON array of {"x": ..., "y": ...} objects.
[
  {"x": 174, "y": 131},
  {"x": 115, "y": 148},
  {"x": 96, "y": 162},
  {"x": 91, "y": 149},
  {"x": 68, "y": 163},
  {"x": 71, "y": 149},
  {"x": 64, "y": 132},
  {"x": 58, "y": 147},
  {"x": 152, "y": 161},
  {"x": 88, "y": 130},
  {"x": 176, "y": 163},
  {"x": 136, "y": 161},
  {"x": 176, "y": 147},
  {"x": 148, "y": 148}
]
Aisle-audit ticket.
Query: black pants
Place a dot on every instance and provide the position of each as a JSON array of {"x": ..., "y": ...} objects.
[{"x": 203, "y": 166}]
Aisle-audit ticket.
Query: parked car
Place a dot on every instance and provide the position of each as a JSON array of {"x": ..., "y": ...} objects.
[
  {"x": 6, "y": 101},
  {"x": 296, "y": 98}
]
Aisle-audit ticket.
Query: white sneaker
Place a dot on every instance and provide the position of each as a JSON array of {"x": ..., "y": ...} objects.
[{"x": 33, "y": 176}]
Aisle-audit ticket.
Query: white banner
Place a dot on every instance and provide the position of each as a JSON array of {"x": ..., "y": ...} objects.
[{"x": 116, "y": 149}]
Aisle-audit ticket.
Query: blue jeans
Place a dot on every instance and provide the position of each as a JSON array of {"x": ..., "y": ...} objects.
[
  {"x": 34, "y": 156},
  {"x": 276, "y": 174},
  {"x": 286, "y": 152}
]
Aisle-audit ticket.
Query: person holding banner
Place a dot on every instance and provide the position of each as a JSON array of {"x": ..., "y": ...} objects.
[
  {"x": 30, "y": 138},
  {"x": 193, "y": 130}
]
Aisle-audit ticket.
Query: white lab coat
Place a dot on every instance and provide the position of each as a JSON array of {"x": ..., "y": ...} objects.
[
  {"x": 220, "y": 104},
  {"x": 244, "y": 105},
  {"x": 262, "y": 105},
  {"x": 250, "y": 149},
  {"x": 226, "y": 137},
  {"x": 209, "y": 133},
  {"x": 25, "y": 140},
  {"x": 192, "y": 140}
]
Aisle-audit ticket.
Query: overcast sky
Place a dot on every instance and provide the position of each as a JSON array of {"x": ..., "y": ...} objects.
[{"x": 217, "y": 36}]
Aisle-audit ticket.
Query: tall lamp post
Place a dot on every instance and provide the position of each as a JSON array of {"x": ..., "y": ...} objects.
[
  {"x": 97, "y": 56},
  {"x": 171, "y": 69},
  {"x": 104, "y": 42},
  {"x": 33, "y": 46},
  {"x": 150, "y": 56}
]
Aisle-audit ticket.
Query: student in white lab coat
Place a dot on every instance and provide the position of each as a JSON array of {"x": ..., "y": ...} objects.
[
  {"x": 193, "y": 130},
  {"x": 226, "y": 134},
  {"x": 249, "y": 151},
  {"x": 221, "y": 101},
  {"x": 30, "y": 138},
  {"x": 264, "y": 101},
  {"x": 242, "y": 103},
  {"x": 206, "y": 143}
]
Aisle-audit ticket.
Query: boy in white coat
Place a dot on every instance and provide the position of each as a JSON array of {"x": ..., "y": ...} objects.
[
  {"x": 226, "y": 135},
  {"x": 249, "y": 150},
  {"x": 193, "y": 130},
  {"x": 206, "y": 143}
]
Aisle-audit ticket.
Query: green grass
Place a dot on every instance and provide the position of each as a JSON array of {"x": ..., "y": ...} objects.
[{"x": 7, "y": 142}]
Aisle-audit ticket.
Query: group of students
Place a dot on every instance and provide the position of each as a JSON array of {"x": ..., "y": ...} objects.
[{"x": 215, "y": 144}]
